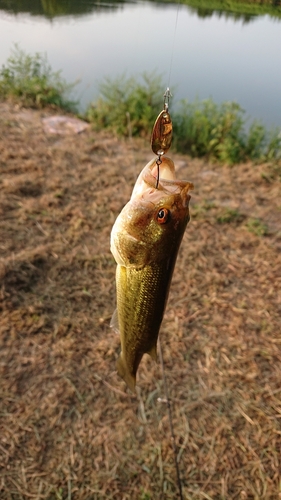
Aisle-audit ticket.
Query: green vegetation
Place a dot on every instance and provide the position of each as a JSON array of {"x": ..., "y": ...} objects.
[
  {"x": 127, "y": 106},
  {"x": 207, "y": 129},
  {"x": 218, "y": 132},
  {"x": 257, "y": 227},
  {"x": 200, "y": 128},
  {"x": 230, "y": 215},
  {"x": 30, "y": 80},
  {"x": 48, "y": 8},
  {"x": 236, "y": 9}
]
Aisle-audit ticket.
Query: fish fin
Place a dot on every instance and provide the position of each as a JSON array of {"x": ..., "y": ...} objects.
[
  {"x": 153, "y": 353},
  {"x": 124, "y": 373},
  {"x": 114, "y": 323}
]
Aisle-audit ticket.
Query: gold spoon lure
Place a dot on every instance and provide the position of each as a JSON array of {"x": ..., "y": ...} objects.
[{"x": 161, "y": 137}]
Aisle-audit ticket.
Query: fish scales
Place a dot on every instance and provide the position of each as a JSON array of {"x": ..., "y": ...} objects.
[
  {"x": 144, "y": 241},
  {"x": 141, "y": 317}
]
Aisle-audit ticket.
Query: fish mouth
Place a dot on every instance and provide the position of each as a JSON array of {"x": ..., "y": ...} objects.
[{"x": 149, "y": 184}]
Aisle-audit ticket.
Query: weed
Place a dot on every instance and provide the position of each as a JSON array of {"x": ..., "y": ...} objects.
[
  {"x": 207, "y": 129},
  {"x": 256, "y": 141},
  {"x": 218, "y": 132},
  {"x": 200, "y": 128},
  {"x": 129, "y": 107},
  {"x": 199, "y": 209},
  {"x": 124, "y": 99},
  {"x": 257, "y": 227},
  {"x": 29, "y": 79},
  {"x": 274, "y": 145},
  {"x": 229, "y": 215},
  {"x": 244, "y": 10},
  {"x": 209, "y": 204}
]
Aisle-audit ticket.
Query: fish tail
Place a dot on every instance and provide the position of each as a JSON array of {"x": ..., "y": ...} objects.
[{"x": 124, "y": 373}]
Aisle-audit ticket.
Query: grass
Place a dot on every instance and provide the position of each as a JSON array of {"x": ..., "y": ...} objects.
[
  {"x": 69, "y": 427},
  {"x": 254, "y": 225},
  {"x": 29, "y": 80},
  {"x": 230, "y": 215},
  {"x": 237, "y": 9},
  {"x": 207, "y": 129},
  {"x": 204, "y": 128},
  {"x": 257, "y": 227},
  {"x": 217, "y": 131},
  {"x": 126, "y": 105}
]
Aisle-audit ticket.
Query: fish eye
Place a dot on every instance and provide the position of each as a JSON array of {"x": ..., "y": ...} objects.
[{"x": 163, "y": 215}]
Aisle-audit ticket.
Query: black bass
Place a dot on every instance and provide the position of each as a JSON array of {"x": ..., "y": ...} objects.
[{"x": 145, "y": 240}]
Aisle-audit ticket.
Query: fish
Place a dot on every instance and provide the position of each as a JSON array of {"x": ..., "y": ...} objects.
[{"x": 145, "y": 240}]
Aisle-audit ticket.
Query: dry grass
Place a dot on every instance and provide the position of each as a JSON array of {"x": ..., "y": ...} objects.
[{"x": 69, "y": 429}]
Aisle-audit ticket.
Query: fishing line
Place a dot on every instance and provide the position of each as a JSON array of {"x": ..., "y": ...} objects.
[
  {"x": 169, "y": 407},
  {"x": 160, "y": 143},
  {"x": 161, "y": 139},
  {"x": 173, "y": 44}
]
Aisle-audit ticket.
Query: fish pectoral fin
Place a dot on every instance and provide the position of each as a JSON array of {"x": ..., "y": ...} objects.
[
  {"x": 124, "y": 373},
  {"x": 153, "y": 353},
  {"x": 114, "y": 323}
]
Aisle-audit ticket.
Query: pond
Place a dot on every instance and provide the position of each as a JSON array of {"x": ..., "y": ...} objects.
[{"x": 198, "y": 53}]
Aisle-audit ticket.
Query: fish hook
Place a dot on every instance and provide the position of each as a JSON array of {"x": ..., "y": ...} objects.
[{"x": 158, "y": 163}]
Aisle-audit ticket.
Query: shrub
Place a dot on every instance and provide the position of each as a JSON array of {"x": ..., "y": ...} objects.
[
  {"x": 207, "y": 129},
  {"x": 218, "y": 132},
  {"x": 29, "y": 79},
  {"x": 204, "y": 128},
  {"x": 126, "y": 102}
]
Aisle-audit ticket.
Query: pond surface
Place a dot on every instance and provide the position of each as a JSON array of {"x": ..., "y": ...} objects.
[{"x": 215, "y": 56}]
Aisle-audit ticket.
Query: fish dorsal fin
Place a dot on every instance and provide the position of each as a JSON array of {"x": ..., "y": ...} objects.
[{"x": 114, "y": 323}]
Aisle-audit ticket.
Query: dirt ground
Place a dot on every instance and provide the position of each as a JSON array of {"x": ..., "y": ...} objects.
[{"x": 69, "y": 427}]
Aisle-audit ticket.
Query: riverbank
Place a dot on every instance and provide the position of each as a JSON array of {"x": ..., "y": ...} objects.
[
  {"x": 240, "y": 9},
  {"x": 70, "y": 428},
  {"x": 204, "y": 8}
]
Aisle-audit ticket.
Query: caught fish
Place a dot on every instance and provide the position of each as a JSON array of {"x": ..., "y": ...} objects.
[{"x": 145, "y": 240}]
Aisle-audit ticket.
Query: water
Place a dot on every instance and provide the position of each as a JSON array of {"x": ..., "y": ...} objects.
[{"x": 215, "y": 56}]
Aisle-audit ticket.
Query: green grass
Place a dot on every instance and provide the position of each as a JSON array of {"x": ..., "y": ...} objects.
[
  {"x": 207, "y": 129},
  {"x": 229, "y": 215},
  {"x": 244, "y": 10},
  {"x": 127, "y": 106},
  {"x": 237, "y": 9},
  {"x": 29, "y": 80},
  {"x": 257, "y": 227},
  {"x": 218, "y": 132}
]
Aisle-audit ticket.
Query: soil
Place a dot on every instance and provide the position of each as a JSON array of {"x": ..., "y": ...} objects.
[{"x": 69, "y": 427}]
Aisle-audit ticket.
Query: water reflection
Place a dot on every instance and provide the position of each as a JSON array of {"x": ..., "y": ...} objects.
[
  {"x": 237, "y": 11},
  {"x": 235, "y": 16},
  {"x": 55, "y": 8}
]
